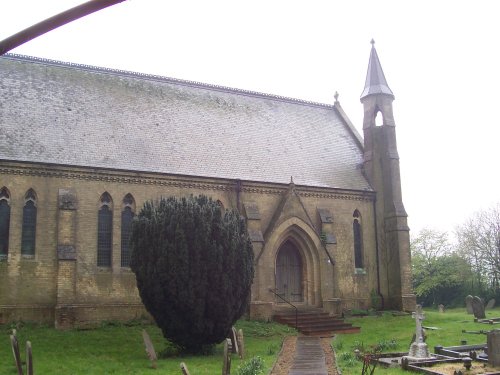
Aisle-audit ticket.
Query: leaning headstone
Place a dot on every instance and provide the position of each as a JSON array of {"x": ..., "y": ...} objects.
[
  {"x": 184, "y": 369},
  {"x": 478, "y": 307},
  {"x": 241, "y": 343},
  {"x": 234, "y": 341},
  {"x": 418, "y": 349},
  {"x": 15, "y": 352},
  {"x": 490, "y": 304},
  {"x": 150, "y": 349},
  {"x": 493, "y": 342},
  {"x": 226, "y": 365},
  {"x": 29, "y": 359},
  {"x": 441, "y": 308},
  {"x": 468, "y": 304}
]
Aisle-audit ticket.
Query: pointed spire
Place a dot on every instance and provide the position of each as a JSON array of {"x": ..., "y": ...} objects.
[{"x": 375, "y": 79}]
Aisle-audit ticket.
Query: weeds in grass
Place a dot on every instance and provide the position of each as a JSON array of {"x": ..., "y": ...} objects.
[
  {"x": 272, "y": 349},
  {"x": 338, "y": 344},
  {"x": 254, "y": 366},
  {"x": 347, "y": 359},
  {"x": 386, "y": 345},
  {"x": 358, "y": 345}
]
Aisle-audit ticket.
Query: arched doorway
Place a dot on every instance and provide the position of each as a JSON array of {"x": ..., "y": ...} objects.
[{"x": 289, "y": 273}]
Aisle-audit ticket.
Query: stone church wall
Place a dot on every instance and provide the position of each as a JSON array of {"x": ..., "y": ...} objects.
[{"x": 63, "y": 284}]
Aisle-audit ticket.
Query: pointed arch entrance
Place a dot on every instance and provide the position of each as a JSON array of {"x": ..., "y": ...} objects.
[{"x": 289, "y": 273}]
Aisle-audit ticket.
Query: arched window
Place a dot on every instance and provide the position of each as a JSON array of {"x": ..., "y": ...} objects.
[
  {"x": 358, "y": 240},
  {"x": 4, "y": 222},
  {"x": 128, "y": 214},
  {"x": 105, "y": 231},
  {"x": 29, "y": 224}
]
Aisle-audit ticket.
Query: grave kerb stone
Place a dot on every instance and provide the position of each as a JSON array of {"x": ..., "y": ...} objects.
[
  {"x": 150, "y": 349},
  {"x": 184, "y": 369},
  {"x": 15, "y": 352},
  {"x": 493, "y": 342},
  {"x": 29, "y": 359},
  {"x": 241, "y": 343},
  {"x": 226, "y": 365}
]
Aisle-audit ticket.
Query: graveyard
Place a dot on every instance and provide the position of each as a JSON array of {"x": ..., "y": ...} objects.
[
  {"x": 450, "y": 335},
  {"x": 454, "y": 332},
  {"x": 120, "y": 349}
]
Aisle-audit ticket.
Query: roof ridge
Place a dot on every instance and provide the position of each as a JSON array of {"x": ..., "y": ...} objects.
[{"x": 156, "y": 77}]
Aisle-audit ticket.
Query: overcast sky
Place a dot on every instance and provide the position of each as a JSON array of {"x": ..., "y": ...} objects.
[{"x": 441, "y": 60}]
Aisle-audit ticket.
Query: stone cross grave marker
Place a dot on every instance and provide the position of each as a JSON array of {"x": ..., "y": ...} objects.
[
  {"x": 241, "y": 343},
  {"x": 234, "y": 341},
  {"x": 468, "y": 304},
  {"x": 29, "y": 359},
  {"x": 226, "y": 366},
  {"x": 478, "y": 307},
  {"x": 184, "y": 369},
  {"x": 150, "y": 349},
  {"x": 493, "y": 342},
  {"x": 418, "y": 349},
  {"x": 490, "y": 304},
  {"x": 418, "y": 316},
  {"x": 441, "y": 308},
  {"x": 15, "y": 352}
]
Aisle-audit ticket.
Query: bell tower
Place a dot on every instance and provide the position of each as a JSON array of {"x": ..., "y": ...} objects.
[{"x": 381, "y": 166}]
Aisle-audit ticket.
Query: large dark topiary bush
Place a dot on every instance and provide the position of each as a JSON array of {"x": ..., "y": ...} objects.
[{"x": 194, "y": 268}]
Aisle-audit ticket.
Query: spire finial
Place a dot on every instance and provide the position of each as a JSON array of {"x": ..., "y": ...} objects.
[
  {"x": 291, "y": 179},
  {"x": 336, "y": 96},
  {"x": 372, "y": 42}
]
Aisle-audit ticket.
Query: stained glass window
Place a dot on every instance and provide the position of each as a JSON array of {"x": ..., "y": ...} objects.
[
  {"x": 105, "y": 232},
  {"x": 29, "y": 227},
  {"x": 358, "y": 241}
]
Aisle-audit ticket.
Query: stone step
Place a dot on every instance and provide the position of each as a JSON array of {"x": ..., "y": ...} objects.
[{"x": 315, "y": 323}]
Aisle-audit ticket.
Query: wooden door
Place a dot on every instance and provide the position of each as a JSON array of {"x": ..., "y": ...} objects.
[{"x": 289, "y": 273}]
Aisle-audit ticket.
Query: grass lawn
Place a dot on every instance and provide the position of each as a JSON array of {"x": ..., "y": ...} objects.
[
  {"x": 119, "y": 349},
  {"x": 395, "y": 333}
]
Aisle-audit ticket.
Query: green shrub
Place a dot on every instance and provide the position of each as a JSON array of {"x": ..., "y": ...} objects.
[
  {"x": 254, "y": 366},
  {"x": 194, "y": 268}
]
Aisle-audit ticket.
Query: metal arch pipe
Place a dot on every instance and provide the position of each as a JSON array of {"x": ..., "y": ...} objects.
[{"x": 54, "y": 22}]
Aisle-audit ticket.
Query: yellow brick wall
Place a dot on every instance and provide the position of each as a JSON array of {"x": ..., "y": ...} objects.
[{"x": 89, "y": 293}]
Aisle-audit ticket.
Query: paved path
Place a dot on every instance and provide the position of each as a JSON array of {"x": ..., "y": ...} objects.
[{"x": 309, "y": 357}]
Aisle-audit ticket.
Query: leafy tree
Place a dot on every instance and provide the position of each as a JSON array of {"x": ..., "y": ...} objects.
[
  {"x": 194, "y": 268},
  {"x": 439, "y": 274}
]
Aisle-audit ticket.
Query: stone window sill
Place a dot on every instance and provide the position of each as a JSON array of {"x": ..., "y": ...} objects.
[{"x": 359, "y": 271}]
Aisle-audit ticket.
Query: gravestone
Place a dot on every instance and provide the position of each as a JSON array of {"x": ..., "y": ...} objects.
[
  {"x": 241, "y": 343},
  {"x": 226, "y": 365},
  {"x": 150, "y": 349},
  {"x": 468, "y": 304},
  {"x": 29, "y": 359},
  {"x": 490, "y": 304},
  {"x": 441, "y": 308},
  {"x": 15, "y": 352},
  {"x": 418, "y": 349},
  {"x": 478, "y": 307},
  {"x": 493, "y": 342},
  {"x": 184, "y": 369},
  {"x": 234, "y": 341}
]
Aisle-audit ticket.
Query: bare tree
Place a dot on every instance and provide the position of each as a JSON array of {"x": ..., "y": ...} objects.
[
  {"x": 479, "y": 243},
  {"x": 430, "y": 244}
]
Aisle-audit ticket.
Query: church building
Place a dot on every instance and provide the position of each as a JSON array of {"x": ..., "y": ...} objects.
[{"x": 82, "y": 148}]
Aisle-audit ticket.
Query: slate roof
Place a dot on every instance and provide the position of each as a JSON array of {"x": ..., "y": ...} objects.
[{"x": 68, "y": 114}]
